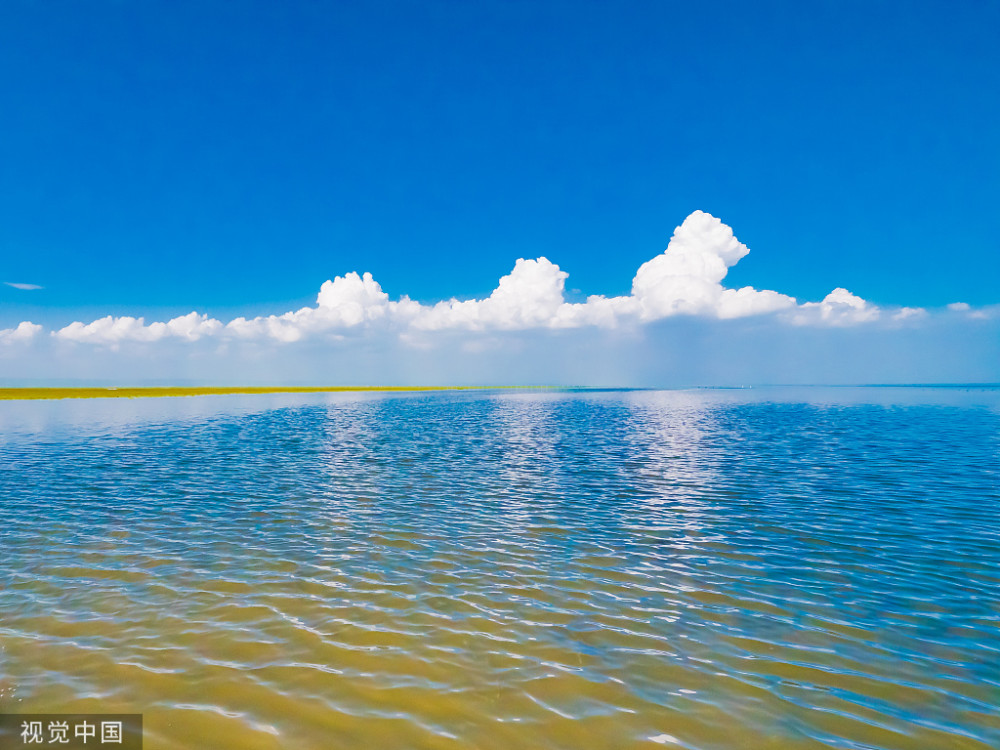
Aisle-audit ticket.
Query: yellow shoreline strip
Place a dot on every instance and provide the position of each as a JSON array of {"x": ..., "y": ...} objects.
[{"x": 9, "y": 394}]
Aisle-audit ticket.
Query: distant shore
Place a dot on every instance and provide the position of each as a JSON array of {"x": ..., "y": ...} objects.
[{"x": 9, "y": 394}]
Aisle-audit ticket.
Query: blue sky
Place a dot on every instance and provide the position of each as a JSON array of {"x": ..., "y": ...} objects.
[{"x": 158, "y": 158}]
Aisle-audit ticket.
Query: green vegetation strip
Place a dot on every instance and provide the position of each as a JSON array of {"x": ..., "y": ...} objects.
[{"x": 53, "y": 393}]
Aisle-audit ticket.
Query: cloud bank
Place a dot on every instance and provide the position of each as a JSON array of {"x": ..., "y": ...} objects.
[{"x": 686, "y": 279}]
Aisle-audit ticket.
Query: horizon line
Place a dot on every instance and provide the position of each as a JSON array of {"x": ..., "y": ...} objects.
[{"x": 32, "y": 393}]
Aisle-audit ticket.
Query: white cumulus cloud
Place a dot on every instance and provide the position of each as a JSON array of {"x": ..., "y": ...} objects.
[
  {"x": 22, "y": 286},
  {"x": 909, "y": 313},
  {"x": 111, "y": 330},
  {"x": 25, "y": 331},
  {"x": 687, "y": 277},
  {"x": 838, "y": 308},
  {"x": 350, "y": 300},
  {"x": 530, "y": 296}
]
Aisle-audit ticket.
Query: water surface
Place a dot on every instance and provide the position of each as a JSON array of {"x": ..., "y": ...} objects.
[{"x": 797, "y": 568}]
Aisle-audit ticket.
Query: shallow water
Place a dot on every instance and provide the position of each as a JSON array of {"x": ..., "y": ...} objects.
[{"x": 700, "y": 569}]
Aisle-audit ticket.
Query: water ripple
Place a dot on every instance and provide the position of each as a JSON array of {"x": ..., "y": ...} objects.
[{"x": 705, "y": 570}]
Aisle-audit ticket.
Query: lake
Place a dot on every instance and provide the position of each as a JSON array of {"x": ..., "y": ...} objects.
[{"x": 703, "y": 569}]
